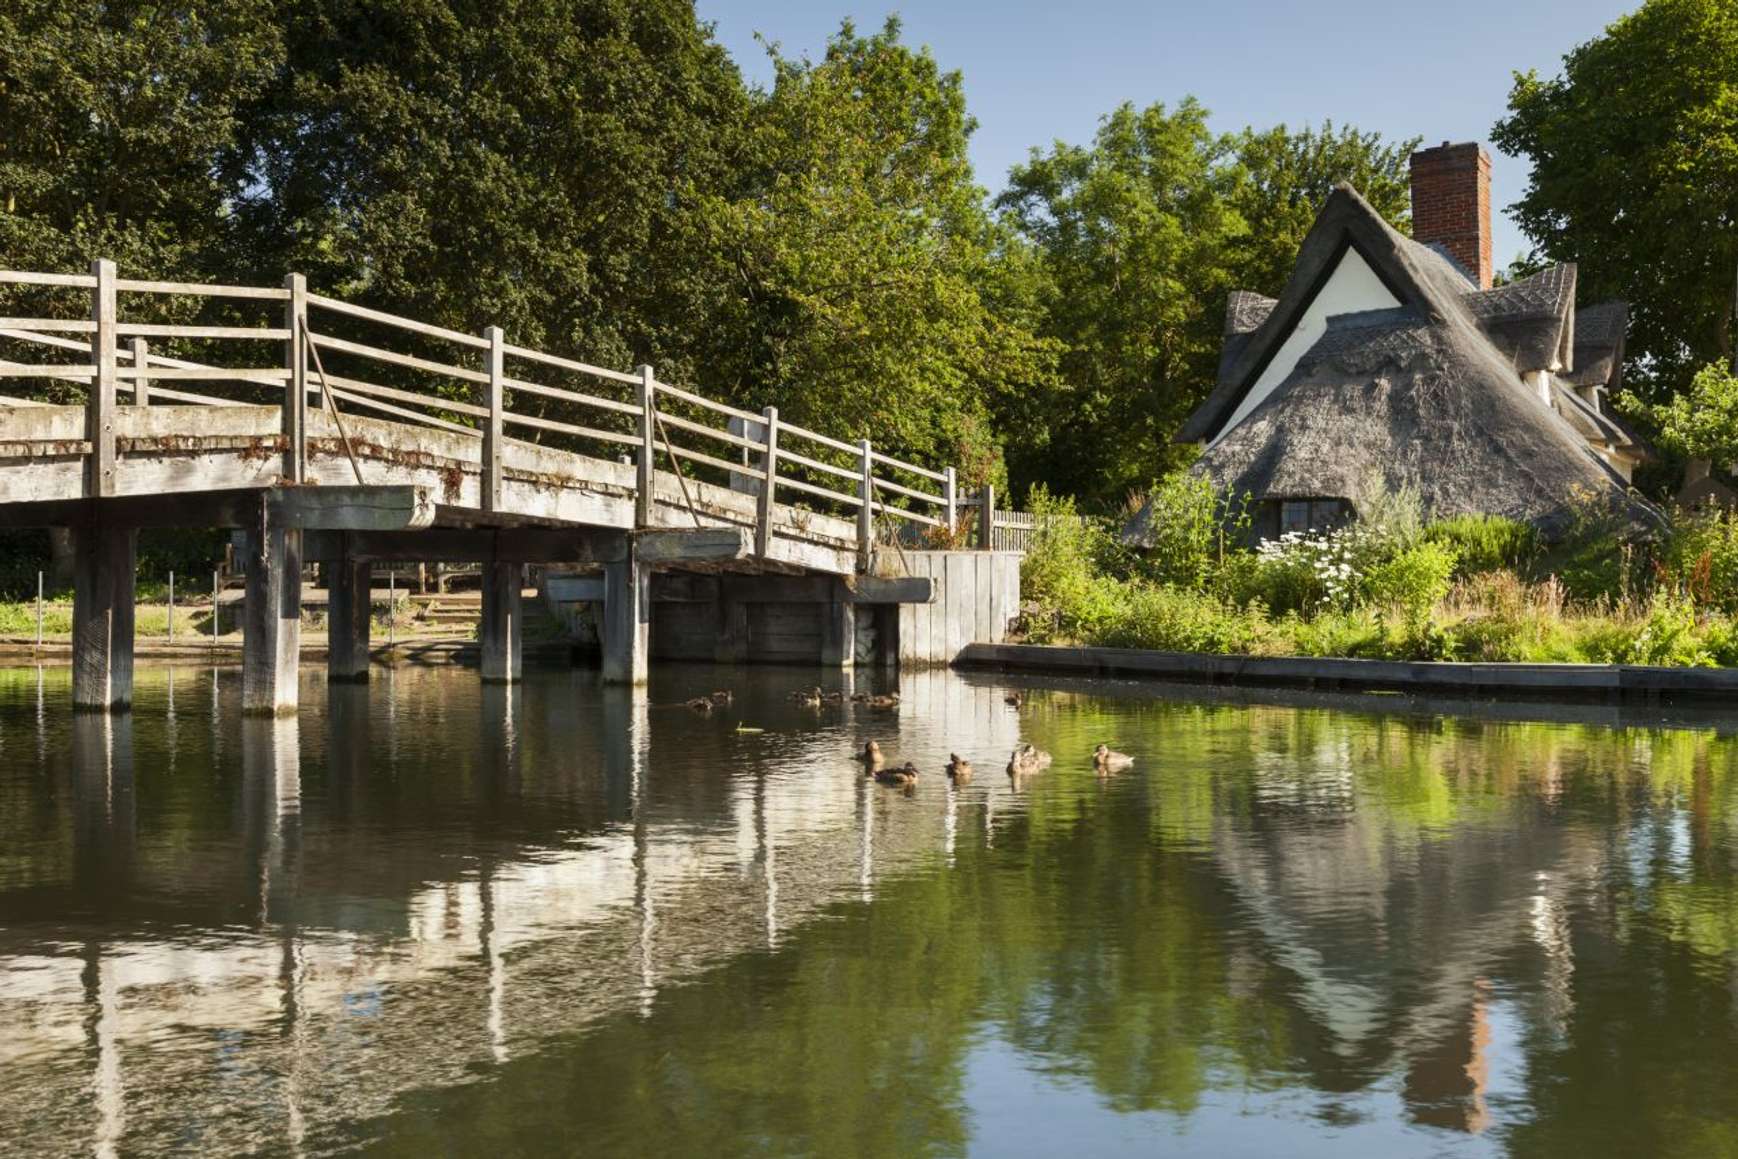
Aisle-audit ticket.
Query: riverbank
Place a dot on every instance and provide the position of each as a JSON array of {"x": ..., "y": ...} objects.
[{"x": 1603, "y": 683}]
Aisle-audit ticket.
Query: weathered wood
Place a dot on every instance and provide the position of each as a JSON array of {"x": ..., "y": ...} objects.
[
  {"x": 102, "y": 617},
  {"x": 100, "y": 403},
  {"x": 703, "y": 544},
  {"x": 271, "y": 621},
  {"x": 350, "y": 618},
  {"x": 141, "y": 373},
  {"x": 866, "y": 510},
  {"x": 242, "y": 333},
  {"x": 874, "y": 589},
  {"x": 574, "y": 589},
  {"x": 338, "y": 306},
  {"x": 201, "y": 290},
  {"x": 627, "y": 612},
  {"x": 501, "y": 632},
  {"x": 838, "y": 632},
  {"x": 644, "y": 490},
  {"x": 987, "y": 518},
  {"x": 296, "y": 386},
  {"x": 371, "y": 508},
  {"x": 563, "y": 545},
  {"x": 768, "y": 498},
  {"x": 951, "y": 502},
  {"x": 492, "y": 432},
  {"x": 393, "y": 358}
]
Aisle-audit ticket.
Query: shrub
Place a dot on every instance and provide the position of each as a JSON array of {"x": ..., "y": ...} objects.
[
  {"x": 1702, "y": 557},
  {"x": 1305, "y": 573},
  {"x": 1486, "y": 543},
  {"x": 1060, "y": 572},
  {"x": 1412, "y": 581},
  {"x": 1187, "y": 524},
  {"x": 1176, "y": 620}
]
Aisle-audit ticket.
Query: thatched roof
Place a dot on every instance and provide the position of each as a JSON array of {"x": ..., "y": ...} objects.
[{"x": 1429, "y": 393}]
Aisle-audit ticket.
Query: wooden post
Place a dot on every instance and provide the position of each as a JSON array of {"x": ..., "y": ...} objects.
[
  {"x": 350, "y": 618},
  {"x": 866, "y": 508},
  {"x": 296, "y": 391},
  {"x": 501, "y": 630},
  {"x": 141, "y": 384},
  {"x": 99, "y": 415},
  {"x": 950, "y": 501},
  {"x": 648, "y": 402},
  {"x": 171, "y": 607},
  {"x": 987, "y": 518},
  {"x": 216, "y": 590},
  {"x": 102, "y": 617},
  {"x": 768, "y": 485},
  {"x": 272, "y": 628},
  {"x": 838, "y": 629},
  {"x": 627, "y": 611},
  {"x": 492, "y": 433},
  {"x": 39, "y": 611}
]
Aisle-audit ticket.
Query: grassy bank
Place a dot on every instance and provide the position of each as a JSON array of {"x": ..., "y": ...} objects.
[{"x": 1395, "y": 586}]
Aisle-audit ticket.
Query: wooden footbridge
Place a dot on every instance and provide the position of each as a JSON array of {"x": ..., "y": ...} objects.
[{"x": 363, "y": 436}]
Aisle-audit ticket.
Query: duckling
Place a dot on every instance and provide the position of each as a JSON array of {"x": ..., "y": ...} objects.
[
  {"x": 884, "y": 703},
  {"x": 904, "y": 775},
  {"x": 959, "y": 769},
  {"x": 871, "y": 756},
  {"x": 1027, "y": 759},
  {"x": 722, "y": 698},
  {"x": 1107, "y": 761},
  {"x": 701, "y": 705}
]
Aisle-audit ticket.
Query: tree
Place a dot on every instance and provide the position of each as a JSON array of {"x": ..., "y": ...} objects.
[
  {"x": 1635, "y": 177},
  {"x": 866, "y": 287},
  {"x": 112, "y": 120},
  {"x": 467, "y": 162},
  {"x": 1141, "y": 237},
  {"x": 1698, "y": 423}
]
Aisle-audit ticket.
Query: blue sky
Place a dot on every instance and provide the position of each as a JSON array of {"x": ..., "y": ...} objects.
[{"x": 1037, "y": 71}]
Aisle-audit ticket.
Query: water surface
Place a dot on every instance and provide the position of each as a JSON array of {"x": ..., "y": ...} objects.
[{"x": 433, "y": 917}]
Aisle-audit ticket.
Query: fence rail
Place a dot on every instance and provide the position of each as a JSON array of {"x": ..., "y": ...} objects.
[{"x": 432, "y": 376}]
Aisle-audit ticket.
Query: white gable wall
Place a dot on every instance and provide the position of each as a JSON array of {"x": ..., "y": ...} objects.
[{"x": 1352, "y": 288}]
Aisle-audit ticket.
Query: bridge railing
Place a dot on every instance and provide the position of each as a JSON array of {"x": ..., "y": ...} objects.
[{"x": 339, "y": 356}]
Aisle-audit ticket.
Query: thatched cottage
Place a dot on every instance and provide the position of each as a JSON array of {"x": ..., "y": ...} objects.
[{"x": 1397, "y": 356}]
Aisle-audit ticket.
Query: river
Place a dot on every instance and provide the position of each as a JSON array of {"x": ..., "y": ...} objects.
[{"x": 433, "y": 917}]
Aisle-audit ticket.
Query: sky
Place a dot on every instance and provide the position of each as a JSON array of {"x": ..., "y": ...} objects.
[{"x": 1039, "y": 71}]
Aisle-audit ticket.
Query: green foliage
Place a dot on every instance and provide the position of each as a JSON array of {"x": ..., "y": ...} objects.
[
  {"x": 1187, "y": 524},
  {"x": 1060, "y": 572},
  {"x": 1634, "y": 160},
  {"x": 1140, "y": 236},
  {"x": 1702, "y": 557},
  {"x": 1486, "y": 543},
  {"x": 1700, "y": 423},
  {"x": 863, "y": 286},
  {"x": 1412, "y": 580},
  {"x": 1178, "y": 620}
]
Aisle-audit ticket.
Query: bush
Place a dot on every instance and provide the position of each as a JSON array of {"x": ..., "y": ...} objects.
[
  {"x": 1175, "y": 620},
  {"x": 1412, "y": 581},
  {"x": 1060, "y": 571},
  {"x": 1486, "y": 543},
  {"x": 1187, "y": 525},
  {"x": 1702, "y": 558}
]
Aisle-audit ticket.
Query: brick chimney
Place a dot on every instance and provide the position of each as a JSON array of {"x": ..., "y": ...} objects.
[{"x": 1451, "y": 204}]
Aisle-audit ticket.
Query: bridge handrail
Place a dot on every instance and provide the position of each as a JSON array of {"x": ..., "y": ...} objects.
[{"x": 120, "y": 359}]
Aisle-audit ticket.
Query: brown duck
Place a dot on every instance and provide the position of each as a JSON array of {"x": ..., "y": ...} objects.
[{"x": 905, "y": 775}]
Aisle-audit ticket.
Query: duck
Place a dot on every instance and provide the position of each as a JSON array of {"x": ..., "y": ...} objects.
[
  {"x": 1107, "y": 761},
  {"x": 871, "y": 756},
  {"x": 958, "y": 768},
  {"x": 722, "y": 698},
  {"x": 808, "y": 697},
  {"x": 833, "y": 697},
  {"x": 884, "y": 703},
  {"x": 1027, "y": 759},
  {"x": 701, "y": 704},
  {"x": 1014, "y": 699},
  {"x": 904, "y": 775}
]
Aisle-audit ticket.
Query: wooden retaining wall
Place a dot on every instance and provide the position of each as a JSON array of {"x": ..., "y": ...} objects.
[
  {"x": 1607, "y": 683},
  {"x": 977, "y": 595}
]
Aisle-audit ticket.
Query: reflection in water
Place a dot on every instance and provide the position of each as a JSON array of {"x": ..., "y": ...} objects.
[{"x": 1292, "y": 929}]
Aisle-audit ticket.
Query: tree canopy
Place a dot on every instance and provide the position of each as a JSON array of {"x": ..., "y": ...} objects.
[
  {"x": 596, "y": 177},
  {"x": 1634, "y": 151}
]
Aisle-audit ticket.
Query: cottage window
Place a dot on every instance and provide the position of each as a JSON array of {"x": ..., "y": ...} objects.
[
  {"x": 1306, "y": 515},
  {"x": 1294, "y": 515}
]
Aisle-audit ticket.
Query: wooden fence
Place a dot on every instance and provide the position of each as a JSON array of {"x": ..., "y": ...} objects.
[{"x": 196, "y": 344}]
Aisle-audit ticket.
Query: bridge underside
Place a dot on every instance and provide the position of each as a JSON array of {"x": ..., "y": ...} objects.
[{"x": 414, "y": 495}]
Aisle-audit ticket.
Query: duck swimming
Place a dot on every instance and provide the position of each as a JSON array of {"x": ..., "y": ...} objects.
[
  {"x": 1107, "y": 761},
  {"x": 701, "y": 704},
  {"x": 884, "y": 703},
  {"x": 808, "y": 697},
  {"x": 1027, "y": 759},
  {"x": 904, "y": 775},
  {"x": 1014, "y": 700},
  {"x": 958, "y": 768},
  {"x": 871, "y": 755},
  {"x": 721, "y": 698}
]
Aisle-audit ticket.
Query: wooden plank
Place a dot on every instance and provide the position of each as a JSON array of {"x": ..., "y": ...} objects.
[
  {"x": 493, "y": 435},
  {"x": 985, "y": 597},
  {"x": 560, "y": 363},
  {"x": 555, "y": 392},
  {"x": 201, "y": 289},
  {"x": 820, "y": 439},
  {"x": 872, "y": 589},
  {"x": 100, "y": 402},
  {"x": 709, "y": 404},
  {"x": 52, "y": 325},
  {"x": 708, "y": 460},
  {"x": 550, "y": 545},
  {"x": 379, "y": 354},
  {"x": 337, "y": 306},
  {"x": 713, "y": 544},
  {"x": 768, "y": 495},
  {"x": 295, "y": 421},
  {"x": 165, "y": 330},
  {"x": 358, "y": 386},
  {"x": 30, "y": 278},
  {"x": 682, "y": 424},
  {"x": 910, "y": 492},
  {"x": 901, "y": 464},
  {"x": 388, "y": 408}
]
